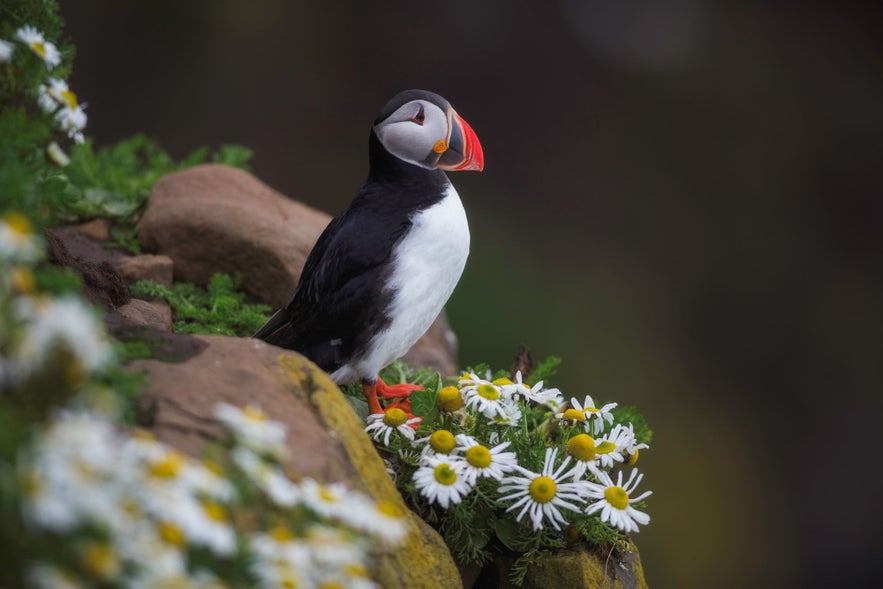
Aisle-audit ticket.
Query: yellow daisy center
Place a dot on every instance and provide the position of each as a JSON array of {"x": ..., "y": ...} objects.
[
  {"x": 542, "y": 489},
  {"x": 442, "y": 441},
  {"x": 281, "y": 534},
  {"x": 617, "y": 497},
  {"x": 254, "y": 414},
  {"x": 478, "y": 456},
  {"x": 168, "y": 467},
  {"x": 330, "y": 585},
  {"x": 445, "y": 475},
  {"x": 356, "y": 570},
  {"x": 574, "y": 415},
  {"x": 100, "y": 560},
  {"x": 39, "y": 48},
  {"x": 19, "y": 224},
  {"x": 389, "y": 508},
  {"x": 633, "y": 458},
  {"x": 489, "y": 392},
  {"x": 449, "y": 399},
  {"x": 502, "y": 381},
  {"x": 289, "y": 582},
  {"x": 326, "y": 495},
  {"x": 581, "y": 447},
  {"x": 70, "y": 98},
  {"x": 22, "y": 280},
  {"x": 394, "y": 417},
  {"x": 172, "y": 534},
  {"x": 215, "y": 511},
  {"x": 605, "y": 447}
]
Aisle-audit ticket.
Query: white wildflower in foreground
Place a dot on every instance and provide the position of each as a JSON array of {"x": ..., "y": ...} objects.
[
  {"x": 6, "y": 49},
  {"x": 72, "y": 121},
  {"x": 34, "y": 39},
  {"x": 253, "y": 429},
  {"x": 64, "y": 324},
  {"x": 18, "y": 242},
  {"x": 441, "y": 480},
  {"x": 393, "y": 419},
  {"x": 480, "y": 461},
  {"x": 541, "y": 495},
  {"x": 614, "y": 501}
]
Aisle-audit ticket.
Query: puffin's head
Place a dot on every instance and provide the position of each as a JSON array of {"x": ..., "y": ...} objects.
[{"x": 423, "y": 129}]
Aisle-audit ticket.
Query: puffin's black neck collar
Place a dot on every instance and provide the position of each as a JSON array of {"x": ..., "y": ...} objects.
[{"x": 385, "y": 167}]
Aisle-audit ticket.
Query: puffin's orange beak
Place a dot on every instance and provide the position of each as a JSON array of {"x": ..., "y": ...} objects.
[{"x": 464, "y": 150}]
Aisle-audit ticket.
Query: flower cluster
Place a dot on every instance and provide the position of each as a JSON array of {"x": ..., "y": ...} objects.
[
  {"x": 518, "y": 451},
  {"x": 53, "y": 96},
  {"x": 137, "y": 513},
  {"x": 40, "y": 331}
]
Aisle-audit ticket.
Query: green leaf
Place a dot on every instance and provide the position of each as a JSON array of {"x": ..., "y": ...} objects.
[{"x": 423, "y": 402}]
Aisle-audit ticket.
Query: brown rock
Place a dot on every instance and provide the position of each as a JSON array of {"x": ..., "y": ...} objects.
[
  {"x": 102, "y": 284},
  {"x": 146, "y": 267},
  {"x": 155, "y": 314},
  {"x": 96, "y": 229},
  {"x": 325, "y": 438},
  {"x": 214, "y": 218}
]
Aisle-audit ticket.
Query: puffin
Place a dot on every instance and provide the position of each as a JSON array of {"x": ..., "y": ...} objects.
[{"x": 383, "y": 269}]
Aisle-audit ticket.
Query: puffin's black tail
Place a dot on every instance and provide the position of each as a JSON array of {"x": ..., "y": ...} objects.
[{"x": 276, "y": 330}]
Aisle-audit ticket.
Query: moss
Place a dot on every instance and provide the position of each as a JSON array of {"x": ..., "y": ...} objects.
[{"x": 423, "y": 559}]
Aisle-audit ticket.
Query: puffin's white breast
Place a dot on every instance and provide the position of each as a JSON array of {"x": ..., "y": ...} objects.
[{"x": 427, "y": 264}]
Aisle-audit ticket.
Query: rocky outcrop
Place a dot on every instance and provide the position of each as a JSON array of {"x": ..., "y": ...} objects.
[
  {"x": 325, "y": 438},
  {"x": 215, "y": 218}
]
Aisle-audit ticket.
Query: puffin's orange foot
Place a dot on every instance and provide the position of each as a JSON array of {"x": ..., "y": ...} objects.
[{"x": 395, "y": 391}]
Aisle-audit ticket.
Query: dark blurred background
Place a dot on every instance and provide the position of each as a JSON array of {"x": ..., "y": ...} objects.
[{"x": 684, "y": 200}]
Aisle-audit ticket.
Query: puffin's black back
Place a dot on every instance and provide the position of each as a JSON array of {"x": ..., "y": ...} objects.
[{"x": 342, "y": 299}]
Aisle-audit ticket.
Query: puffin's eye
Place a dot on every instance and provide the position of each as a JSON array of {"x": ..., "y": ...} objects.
[{"x": 419, "y": 117}]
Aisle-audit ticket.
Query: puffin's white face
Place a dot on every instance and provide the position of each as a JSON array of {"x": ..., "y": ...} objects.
[{"x": 417, "y": 132}]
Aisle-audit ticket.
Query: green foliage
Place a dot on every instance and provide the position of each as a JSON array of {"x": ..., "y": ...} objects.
[{"x": 219, "y": 310}]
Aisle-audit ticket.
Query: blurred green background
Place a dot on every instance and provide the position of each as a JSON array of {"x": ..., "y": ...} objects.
[{"x": 684, "y": 200}]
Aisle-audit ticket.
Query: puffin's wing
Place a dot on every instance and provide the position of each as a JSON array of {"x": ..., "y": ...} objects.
[{"x": 338, "y": 300}]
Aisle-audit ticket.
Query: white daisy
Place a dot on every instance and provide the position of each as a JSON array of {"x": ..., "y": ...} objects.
[
  {"x": 280, "y": 559},
  {"x": 508, "y": 413},
  {"x": 72, "y": 121},
  {"x": 583, "y": 451},
  {"x": 537, "y": 394},
  {"x": 383, "y": 519},
  {"x": 331, "y": 500},
  {"x": 47, "y": 576},
  {"x": 614, "y": 501},
  {"x": 542, "y": 494},
  {"x": 633, "y": 449},
  {"x": 393, "y": 419},
  {"x": 440, "y": 442},
  {"x": 609, "y": 448},
  {"x": 57, "y": 155},
  {"x": 18, "y": 242},
  {"x": 441, "y": 480},
  {"x": 67, "y": 324},
  {"x": 6, "y": 49},
  {"x": 268, "y": 477},
  {"x": 253, "y": 429},
  {"x": 594, "y": 417},
  {"x": 480, "y": 461},
  {"x": 449, "y": 399},
  {"x": 34, "y": 39},
  {"x": 483, "y": 396}
]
